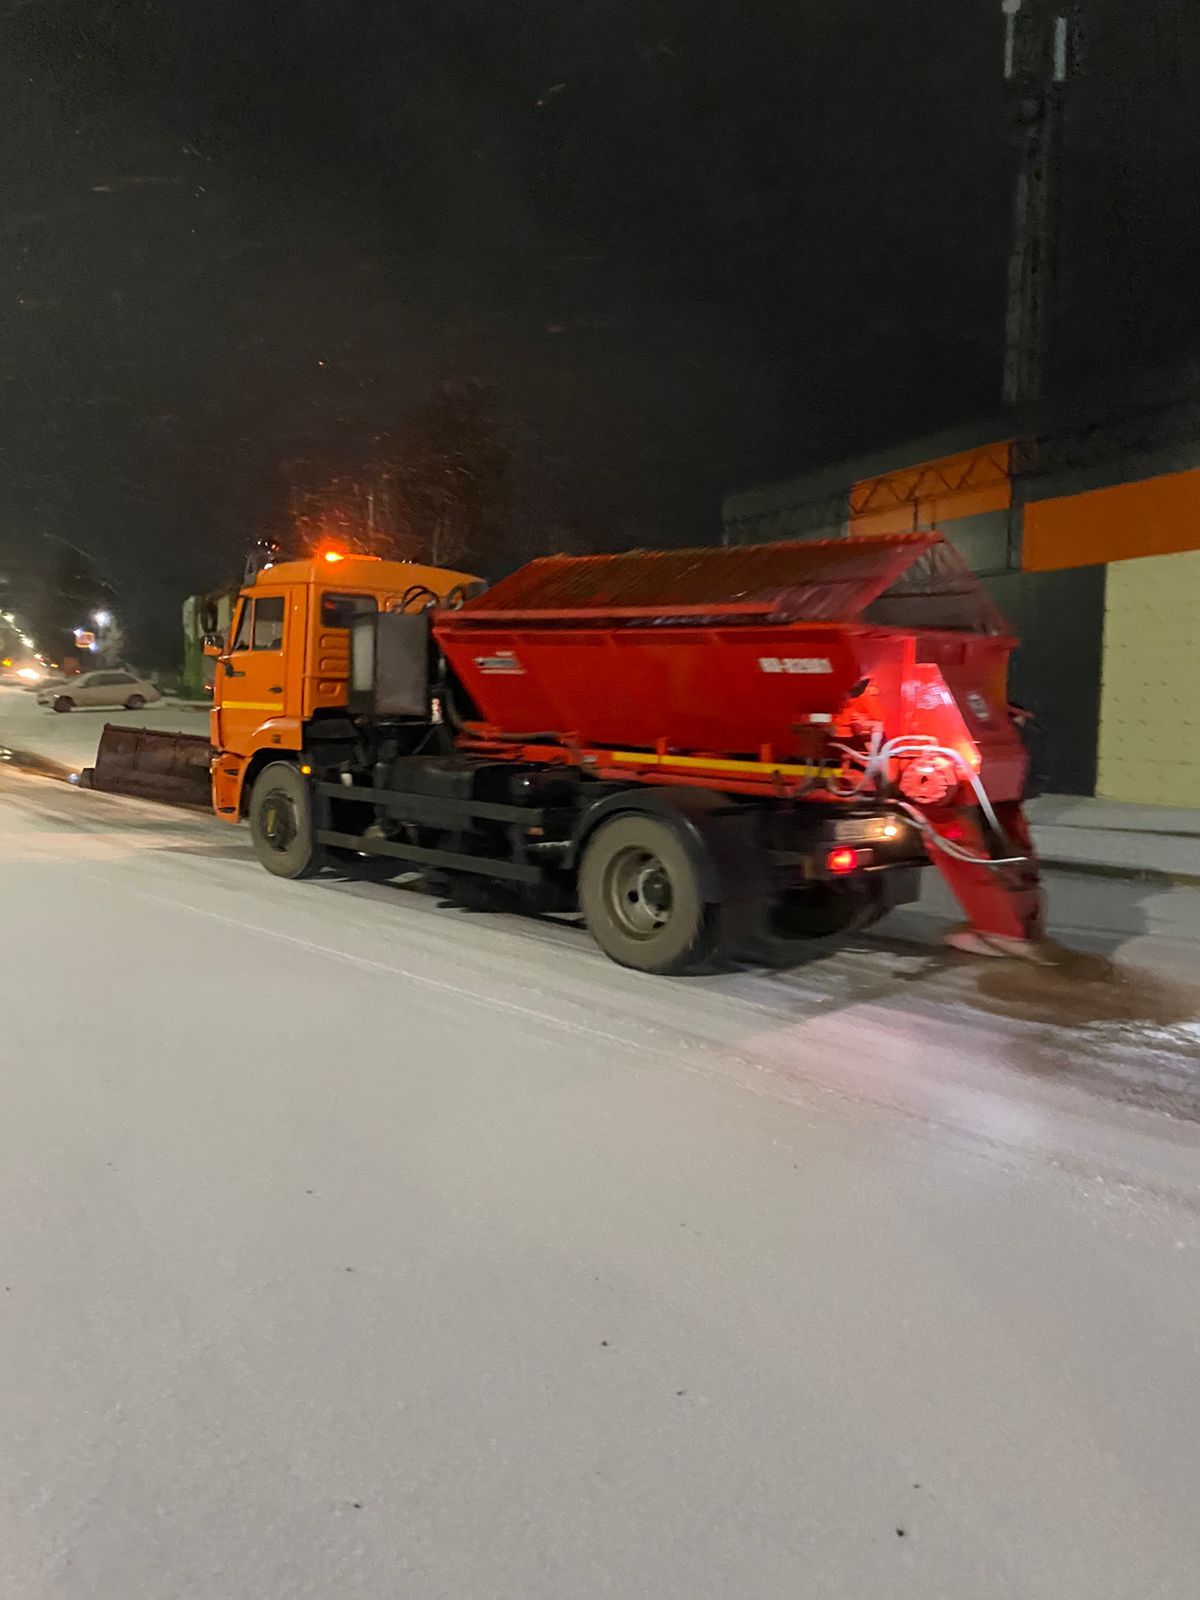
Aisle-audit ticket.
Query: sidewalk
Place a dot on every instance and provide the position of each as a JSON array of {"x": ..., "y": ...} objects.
[{"x": 1116, "y": 836}]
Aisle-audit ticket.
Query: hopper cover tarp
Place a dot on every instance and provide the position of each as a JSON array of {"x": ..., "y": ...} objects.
[{"x": 832, "y": 580}]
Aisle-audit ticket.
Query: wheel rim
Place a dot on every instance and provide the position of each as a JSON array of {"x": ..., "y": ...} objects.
[
  {"x": 637, "y": 891},
  {"x": 278, "y": 822}
]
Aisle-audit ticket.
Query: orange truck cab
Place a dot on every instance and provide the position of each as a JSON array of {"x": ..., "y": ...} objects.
[{"x": 286, "y": 663}]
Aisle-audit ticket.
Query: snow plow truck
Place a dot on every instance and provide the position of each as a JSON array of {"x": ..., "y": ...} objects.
[{"x": 713, "y": 755}]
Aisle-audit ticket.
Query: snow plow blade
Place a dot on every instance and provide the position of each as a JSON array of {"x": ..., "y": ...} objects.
[{"x": 152, "y": 765}]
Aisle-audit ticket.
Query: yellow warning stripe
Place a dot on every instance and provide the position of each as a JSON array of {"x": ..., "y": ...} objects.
[
  {"x": 250, "y": 705},
  {"x": 645, "y": 758}
]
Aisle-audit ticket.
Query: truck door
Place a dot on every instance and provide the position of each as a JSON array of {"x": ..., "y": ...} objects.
[{"x": 251, "y": 674}]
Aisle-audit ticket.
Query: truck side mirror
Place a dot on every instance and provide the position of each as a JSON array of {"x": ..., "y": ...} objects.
[{"x": 213, "y": 644}]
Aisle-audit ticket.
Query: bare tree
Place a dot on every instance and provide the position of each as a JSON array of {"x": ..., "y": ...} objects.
[{"x": 454, "y": 483}]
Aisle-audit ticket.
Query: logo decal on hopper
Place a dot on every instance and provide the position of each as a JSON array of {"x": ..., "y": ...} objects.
[
  {"x": 504, "y": 662},
  {"x": 803, "y": 664}
]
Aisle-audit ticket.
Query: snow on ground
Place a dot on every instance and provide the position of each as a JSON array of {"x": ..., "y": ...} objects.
[
  {"x": 357, "y": 1245},
  {"x": 71, "y": 737}
]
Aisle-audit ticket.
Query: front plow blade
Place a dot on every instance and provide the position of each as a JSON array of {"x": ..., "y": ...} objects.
[{"x": 152, "y": 765}]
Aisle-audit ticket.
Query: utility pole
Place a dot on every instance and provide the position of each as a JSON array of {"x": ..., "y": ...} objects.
[{"x": 1037, "y": 53}]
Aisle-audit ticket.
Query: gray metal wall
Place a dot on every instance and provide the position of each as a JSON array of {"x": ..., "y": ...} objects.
[{"x": 1059, "y": 619}]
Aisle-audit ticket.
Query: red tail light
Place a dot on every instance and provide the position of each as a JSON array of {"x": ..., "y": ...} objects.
[{"x": 841, "y": 861}]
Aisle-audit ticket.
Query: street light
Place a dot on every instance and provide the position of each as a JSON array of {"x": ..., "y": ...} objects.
[{"x": 102, "y": 618}]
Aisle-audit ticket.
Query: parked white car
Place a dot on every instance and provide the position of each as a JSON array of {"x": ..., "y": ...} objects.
[
  {"x": 48, "y": 687},
  {"x": 111, "y": 686}
]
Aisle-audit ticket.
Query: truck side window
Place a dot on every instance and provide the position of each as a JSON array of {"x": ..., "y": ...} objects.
[
  {"x": 241, "y": 638},
  {"x": 340, "y": 610},
  {"x": 268, "y": 623}
]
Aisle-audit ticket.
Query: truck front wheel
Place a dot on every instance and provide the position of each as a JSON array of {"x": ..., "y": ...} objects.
[
  {"x": 282, "y": 824},
  {"x": 642, "y": 898}
]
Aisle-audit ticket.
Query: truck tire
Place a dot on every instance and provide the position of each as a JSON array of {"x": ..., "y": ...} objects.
[
  {"x": 812, "y": 924},
  {"x": 282, "y": 826},
  {"x": 642, "y": 900}
]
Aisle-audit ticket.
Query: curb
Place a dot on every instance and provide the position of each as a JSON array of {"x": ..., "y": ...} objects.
[{"x": 1107, "y": 869}]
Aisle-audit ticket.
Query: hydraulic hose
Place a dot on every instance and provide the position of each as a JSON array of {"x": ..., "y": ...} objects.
[{"x": 875, "y": 768}]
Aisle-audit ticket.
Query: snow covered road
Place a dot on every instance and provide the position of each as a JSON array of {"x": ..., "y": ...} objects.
[{"x": 359, "y": 1246}]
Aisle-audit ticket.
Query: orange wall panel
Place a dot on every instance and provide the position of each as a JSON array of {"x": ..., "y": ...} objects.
[
  {"x": 933, "y": 492},
  {"x": 888, "y": 519},
  {"x": 1153, "y": 517}
]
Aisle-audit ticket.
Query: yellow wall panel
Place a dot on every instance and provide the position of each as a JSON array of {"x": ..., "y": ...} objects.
[{"x": 1150, "y": 695}]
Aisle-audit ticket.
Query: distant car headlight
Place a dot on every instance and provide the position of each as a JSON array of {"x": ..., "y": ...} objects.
[{"x": 29, "y": 674}]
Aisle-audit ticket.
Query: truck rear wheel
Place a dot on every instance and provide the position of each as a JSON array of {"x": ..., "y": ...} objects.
[
  {"x": 282, "y": 824},
  {"x": 810, "y": 923},
  {"x": 641, "y": 896}
]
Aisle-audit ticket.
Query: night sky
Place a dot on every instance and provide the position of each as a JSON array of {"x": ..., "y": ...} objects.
[{"x": 689, "y": 244}]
